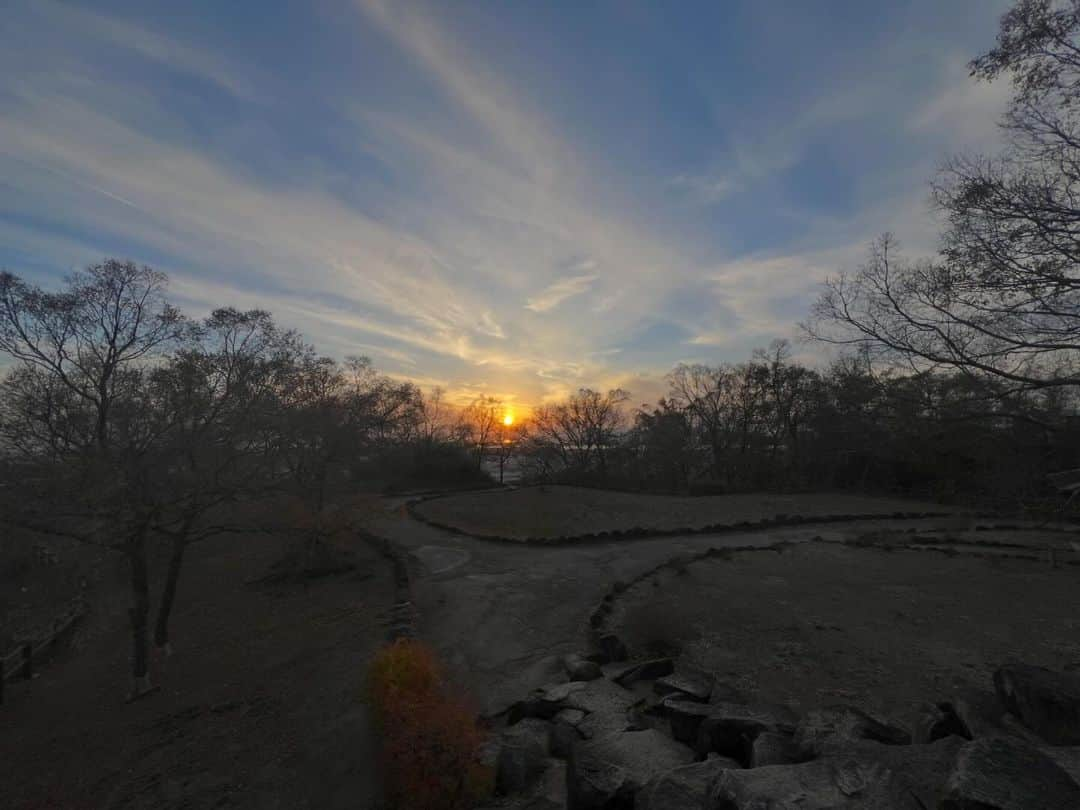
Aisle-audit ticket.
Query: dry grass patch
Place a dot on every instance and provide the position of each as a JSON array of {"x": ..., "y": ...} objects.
[{"x": 558, "y": 511}]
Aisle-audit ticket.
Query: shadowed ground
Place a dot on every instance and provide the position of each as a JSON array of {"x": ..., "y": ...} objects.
[{"x": 260, "y": 707}]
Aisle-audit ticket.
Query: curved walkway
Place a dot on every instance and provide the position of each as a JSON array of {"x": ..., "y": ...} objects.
[{"x": 502, "y": 614}]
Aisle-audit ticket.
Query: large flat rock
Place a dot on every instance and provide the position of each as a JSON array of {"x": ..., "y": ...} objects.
[
  {"x": 1047, "y": 702},
  {"x": 1004, "y": 773},
  {"x": 606, "y": 772},
  {"x": 850, "y": 776},
  {"x": 682, "y": 788}
]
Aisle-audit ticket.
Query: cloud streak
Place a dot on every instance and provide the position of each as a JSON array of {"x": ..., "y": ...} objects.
[
  {"x": 562, "y": 290},
  {"x": 422, "y": 186}
]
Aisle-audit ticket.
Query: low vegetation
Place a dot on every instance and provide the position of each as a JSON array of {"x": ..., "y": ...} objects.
[{"x": 431, "y": 744}]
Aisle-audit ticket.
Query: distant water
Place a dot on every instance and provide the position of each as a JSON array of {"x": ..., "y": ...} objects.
[{"x": 511, "y": 470}]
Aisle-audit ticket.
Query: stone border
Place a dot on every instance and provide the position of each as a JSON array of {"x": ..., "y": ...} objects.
[
  {"x": 780, "y": 520},
  {"x": 598, "y": 617},
  {"x": 404, "y": 618}
]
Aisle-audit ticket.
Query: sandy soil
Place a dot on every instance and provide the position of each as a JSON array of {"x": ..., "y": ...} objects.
[
  {"x": 559, "y": 511},
  {"x": 825, "y": 623},
  {"x": 260, "y": 707}
]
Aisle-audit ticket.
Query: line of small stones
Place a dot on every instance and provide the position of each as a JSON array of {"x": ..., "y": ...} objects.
[
  {"x": 644, "y": 533},
  {"x": 404, "y": 617},
  {"x": 598, "y": 617}
]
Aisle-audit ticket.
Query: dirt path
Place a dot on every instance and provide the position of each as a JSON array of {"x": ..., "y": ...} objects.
[
  {"x": 260, "y": 707},
  {"x": 503, "y": 614}
]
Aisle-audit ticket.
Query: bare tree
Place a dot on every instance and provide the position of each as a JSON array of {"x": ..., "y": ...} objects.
[
  {"x": 1003, "y": 297},
  {"x": 511, "y": 441},
  {"x": 582, "y": 430},
  {"x": 434, "y": 419},
  {"x": 704, "y": 394},
  {"x": 77, "y": 394},
  {"x": 213, "y": 398},
  {"x": 480, "y": 421}
]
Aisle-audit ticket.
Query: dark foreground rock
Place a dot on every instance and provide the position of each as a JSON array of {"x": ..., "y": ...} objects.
[
  {"x": 862, "y": 775},
  {"x": 936, "y": 721},
  {"x": 1002, "y": 773},
  {"x": 682, "y": 788},
  {"x": 685, "y": 685},
  {"x": 610, "y": 648},
  {"x": 564, "y": 731},
  {"x": 772, "y": 748},
  {"x": 645, "y": 670},
  {"x": 845, "y": 723},
  {"x": 730, "y": 729},
  {"x": 523, "y": 755},
  {"x": 581, "y": 669},
  {"x": 606, "y": 706},
  {"x": 1047, "y": 702},
  {"x": 607, "y": 771}
]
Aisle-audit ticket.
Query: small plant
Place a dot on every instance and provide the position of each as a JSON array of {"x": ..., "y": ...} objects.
[{"x": 431, "y": 744}]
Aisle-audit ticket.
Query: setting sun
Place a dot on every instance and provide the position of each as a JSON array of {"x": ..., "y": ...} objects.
[{"x": 508, "y": 419}]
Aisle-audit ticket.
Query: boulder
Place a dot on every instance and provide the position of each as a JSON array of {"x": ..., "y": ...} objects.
[
  {"x": 772, "y": 748},
  {"x": 1047, "y": 702},
  {"x": 544, "y": 702},
  {"x": 610, "y": 648},
  {"x": 607, "y": 771},
  {"x": 682, "y": 788},
  {"x": 846, "y": 723},
  {"x": 731, "y": 728},
  {"x": 687, "y": 685},
  {"x": 685, "y": 717},
  {"x": 1004, "y": 773},
  {"x": 818, "y": 785},
  {"x": 606, "y": 706},
  {"x": 1066, "y": 757},
  {"x": 598, "y": 724},
  {"x": 919, "y": 771},
  {"x": 978, "y": 711},
  {"x": 645, "y": 671},
  {"x": 564, "y": 731},
  {"x": 936, "y": 721},
  {"x": 600, "y": 696},
  {"x": 725, "y": 693},
  {"x": 535, "y": 803},
  {"x": 861, "y": 775},
  {"x": 523, "y": 755},
  {"x": 581, "y": 669}
]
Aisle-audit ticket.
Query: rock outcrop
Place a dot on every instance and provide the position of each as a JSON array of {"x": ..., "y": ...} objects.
[
  {"x": 1047, "y": 702},
  {"x": 681, "y": 746},
  {"x": 1002, "y": 773},
  {"x": 608, "y": 771}
]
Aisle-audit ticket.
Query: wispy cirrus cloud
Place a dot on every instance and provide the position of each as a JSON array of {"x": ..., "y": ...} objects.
[
  {"x": 421, "y": 185},
  {"x": 562, "y": 290}
]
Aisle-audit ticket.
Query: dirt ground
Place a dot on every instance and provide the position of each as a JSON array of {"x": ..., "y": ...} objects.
[
  {"x": 261, "y": 706},
  {"x": 824, "y": 623},
  {"x": 559, "y": 511}
]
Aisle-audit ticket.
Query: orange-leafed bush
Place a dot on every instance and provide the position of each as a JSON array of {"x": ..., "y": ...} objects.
[{"x": 431, "y": 744}]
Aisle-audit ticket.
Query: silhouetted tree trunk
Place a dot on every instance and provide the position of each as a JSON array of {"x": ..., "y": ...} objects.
[
  {"x": 139, "y": 613},
  {"x": 168, "y": 595}
]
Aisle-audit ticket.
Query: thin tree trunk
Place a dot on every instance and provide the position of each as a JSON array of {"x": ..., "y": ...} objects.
[
  {"x": 139, "y": 614},
  {"x": 168, "y": 595}
]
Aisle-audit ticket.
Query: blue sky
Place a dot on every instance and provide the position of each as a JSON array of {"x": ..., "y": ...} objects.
[{"x": 511, "y": 198}]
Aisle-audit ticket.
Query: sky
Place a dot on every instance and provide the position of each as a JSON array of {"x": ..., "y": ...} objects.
[{"x": 507, "y": 198}]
